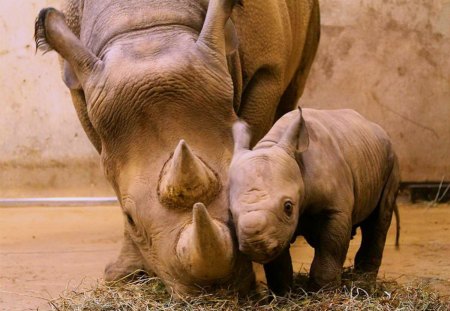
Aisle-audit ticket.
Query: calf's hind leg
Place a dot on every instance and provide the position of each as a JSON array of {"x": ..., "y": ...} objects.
[{"x": 374, "y": 230}]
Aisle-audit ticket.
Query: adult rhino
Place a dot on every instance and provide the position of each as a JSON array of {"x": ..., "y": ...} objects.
[{"x": 148, "y": 77}]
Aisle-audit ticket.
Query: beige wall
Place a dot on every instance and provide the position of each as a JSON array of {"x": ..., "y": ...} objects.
[
  {"x": 44, "y": 150},
  {"x": 387, "y": 59},
  {"x": 390, "y": 61}
]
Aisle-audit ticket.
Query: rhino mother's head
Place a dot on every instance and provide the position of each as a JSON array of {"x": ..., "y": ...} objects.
[{"x": 158, "y": 105}]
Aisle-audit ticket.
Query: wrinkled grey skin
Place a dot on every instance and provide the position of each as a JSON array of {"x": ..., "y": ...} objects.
[
  {"x": 319, "y": 174},
  {"x": 144, "y": 75}
]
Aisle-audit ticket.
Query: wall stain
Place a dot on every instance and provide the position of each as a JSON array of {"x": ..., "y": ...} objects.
[{"x": 377, "y": 101}]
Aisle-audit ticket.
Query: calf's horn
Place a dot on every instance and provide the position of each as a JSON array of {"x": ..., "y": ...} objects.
[
  {"x": 185, "y": 180},
  {"x": 205, "y": 247}
]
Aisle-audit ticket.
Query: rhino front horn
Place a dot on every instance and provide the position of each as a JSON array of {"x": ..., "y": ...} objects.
[
  {"x": 205, "y": 247},
  {"x": 185, "y": 180}
]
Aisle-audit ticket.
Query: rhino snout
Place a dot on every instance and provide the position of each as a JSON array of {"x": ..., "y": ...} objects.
[
  {"x": 255, "y": 238},
  {"x": 252, "y": 224}
]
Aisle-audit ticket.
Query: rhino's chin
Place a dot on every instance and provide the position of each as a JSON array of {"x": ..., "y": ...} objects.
[
  {"x": 261, "y": 251},
  {"x": 205, "y": 247}
]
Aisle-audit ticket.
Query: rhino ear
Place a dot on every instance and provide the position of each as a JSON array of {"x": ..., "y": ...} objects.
[
  {"x": 213, "y": 32},
  {"x": 69, "y": 77},
  {"x": 231, "y": 38},
  {"x": 53, "y": 33},
  {"x": 241, "y": 136},
  {"x": 296, "y": 138}
]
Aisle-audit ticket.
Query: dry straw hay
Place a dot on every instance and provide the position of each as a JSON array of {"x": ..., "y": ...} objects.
[{"x": 145, "y": 293}]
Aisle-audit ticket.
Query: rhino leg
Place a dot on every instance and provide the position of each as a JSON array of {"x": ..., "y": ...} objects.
[
  {"x": 129, "y": 261},
  {"x": 330, "y": 250},
  {"x": 259, "y": 101},
  {"x": 279, "y": 273},
  {"x": 374, "y": 231},
  {"x": 294, "y": 91}
]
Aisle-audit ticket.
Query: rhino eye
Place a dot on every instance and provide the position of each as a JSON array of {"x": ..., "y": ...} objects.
[
  {"x": 288, "y": 207},
  {"x": 130, "y": 219}
]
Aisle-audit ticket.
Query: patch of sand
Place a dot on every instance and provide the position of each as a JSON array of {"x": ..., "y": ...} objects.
[{"x": 45, "y": 250}]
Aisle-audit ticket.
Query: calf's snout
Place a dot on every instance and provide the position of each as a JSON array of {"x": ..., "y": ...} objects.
[{"x": 252, "y": 224}]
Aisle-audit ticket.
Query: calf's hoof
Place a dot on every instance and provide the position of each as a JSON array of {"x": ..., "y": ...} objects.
[
  {"x": 315, "y": 286},
  {"x": 364, "y": 280}
]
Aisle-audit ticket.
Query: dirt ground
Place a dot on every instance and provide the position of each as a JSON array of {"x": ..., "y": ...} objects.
[{"x": 45, "y": 250}]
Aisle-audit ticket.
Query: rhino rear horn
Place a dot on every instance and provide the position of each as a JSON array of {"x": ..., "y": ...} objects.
[
  {"x": 52, "y": 33},
  {"x": 186, "y": 179},
  {"x": 205, "y": 247}
]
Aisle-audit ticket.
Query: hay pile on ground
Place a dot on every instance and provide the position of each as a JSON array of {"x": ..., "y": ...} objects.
[{"x": 149, "y": 294}]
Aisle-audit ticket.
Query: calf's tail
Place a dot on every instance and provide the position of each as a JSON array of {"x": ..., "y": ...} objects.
[
  {"x": 397, "y": 221},
  {"x": 391, "y": 189}
]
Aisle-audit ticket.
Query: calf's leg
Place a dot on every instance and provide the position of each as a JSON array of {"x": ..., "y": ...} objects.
[
  {"x": 330, "y": 251},
  {"x": 375, "y": 229},
  {"x": 279, "y": 273}
]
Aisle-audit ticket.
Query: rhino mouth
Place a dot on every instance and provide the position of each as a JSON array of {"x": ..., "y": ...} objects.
[{"x": 261, "y": 251}]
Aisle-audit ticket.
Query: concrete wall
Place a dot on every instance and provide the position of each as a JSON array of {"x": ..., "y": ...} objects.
[
  {"x": 387, "y": 59},
  {"x": 390, "y": 61},
  {"x": 44, "y": 150}
]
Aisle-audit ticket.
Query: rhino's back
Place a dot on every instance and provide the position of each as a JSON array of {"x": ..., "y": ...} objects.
[
  {"x": 279, "y": 28},
  {"x": 98, "y": 22},
  {"x": 272, "y": 35},
  {"x": 367, "y": 151},
  {"x": 347, "y": 155}
]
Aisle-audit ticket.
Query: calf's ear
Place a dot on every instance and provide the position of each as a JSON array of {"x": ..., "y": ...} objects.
[
  {"x": 303, "y": 139},
  {"x": 241, "y": 137},
  {"x": 296, "y": 138}
]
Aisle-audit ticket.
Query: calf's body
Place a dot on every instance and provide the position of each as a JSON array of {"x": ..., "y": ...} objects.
[{"x": 320, "y": 174}]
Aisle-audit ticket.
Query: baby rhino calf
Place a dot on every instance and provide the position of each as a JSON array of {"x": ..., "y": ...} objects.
[{"x": 319, "y": 174}]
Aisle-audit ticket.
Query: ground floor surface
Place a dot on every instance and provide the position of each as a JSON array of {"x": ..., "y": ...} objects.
[{"x": 46, "y": 250}]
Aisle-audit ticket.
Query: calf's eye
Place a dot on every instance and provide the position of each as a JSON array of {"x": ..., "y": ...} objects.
[{"x": 288, "y": 207}]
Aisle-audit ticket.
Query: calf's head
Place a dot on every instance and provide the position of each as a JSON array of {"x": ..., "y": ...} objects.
[{"x": 266, "y": 190}]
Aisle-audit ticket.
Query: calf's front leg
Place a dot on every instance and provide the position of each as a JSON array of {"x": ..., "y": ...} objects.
[
  {"x": 331, "y": 249},
  {"x": 279, "y": 273}
]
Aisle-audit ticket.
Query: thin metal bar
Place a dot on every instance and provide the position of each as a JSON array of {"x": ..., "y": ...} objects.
[{"x": 66, "y": 201}]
